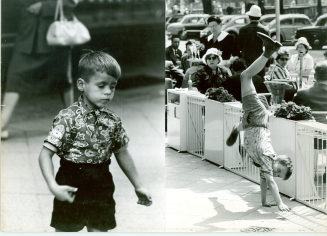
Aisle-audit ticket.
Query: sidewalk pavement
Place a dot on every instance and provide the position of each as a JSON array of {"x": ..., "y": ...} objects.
[
  {"x": 201, "y": 197},
  {"x": 26, "y": 203}
]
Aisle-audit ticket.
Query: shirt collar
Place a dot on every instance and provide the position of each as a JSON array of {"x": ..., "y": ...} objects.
[
  {"x": 88, "y": 109},
  {"x": 221, "y": 36}
]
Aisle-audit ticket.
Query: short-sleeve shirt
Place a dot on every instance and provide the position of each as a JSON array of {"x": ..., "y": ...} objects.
[
  {"x": 84, "y": 135},
  {"x": 257, "y": 140}
]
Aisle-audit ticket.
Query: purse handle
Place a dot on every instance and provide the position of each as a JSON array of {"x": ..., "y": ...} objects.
[{"x": 59, "y": 11}]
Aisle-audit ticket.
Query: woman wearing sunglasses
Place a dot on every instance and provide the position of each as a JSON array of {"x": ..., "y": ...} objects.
[
  {"x": 278, "y": 71},
  {"x": 211, "y": 75}
]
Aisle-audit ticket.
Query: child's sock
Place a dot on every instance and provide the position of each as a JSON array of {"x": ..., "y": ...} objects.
[{"x": 270, "y": 45}]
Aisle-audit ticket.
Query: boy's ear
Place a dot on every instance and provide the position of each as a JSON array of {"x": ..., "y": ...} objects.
[{"x": 80, "y": 84}]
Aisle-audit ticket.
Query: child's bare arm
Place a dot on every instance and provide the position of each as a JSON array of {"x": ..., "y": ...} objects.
[
  {"x": 275, "y": 192},
  {"x": 263, "y": 188},
  {"x": 127, "y": 165},
  {"x": 61, "y": 192}
]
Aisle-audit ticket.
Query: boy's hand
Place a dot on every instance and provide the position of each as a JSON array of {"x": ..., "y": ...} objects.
[
  {"x": 64, "y": 193},
  {"x": 283, "y": 207},
  {"x": 143, "y": 196}
]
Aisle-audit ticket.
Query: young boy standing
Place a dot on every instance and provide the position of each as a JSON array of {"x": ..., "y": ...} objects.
[
  {"x": 257, "y": 140},
  {"x": 84, "y": 136}
]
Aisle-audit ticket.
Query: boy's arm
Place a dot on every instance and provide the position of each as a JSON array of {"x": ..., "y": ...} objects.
[
  {"x": 127, "y": 165},
  {"x": 275, "y": 192},
  {"x": 61, "y": 192},
  {"x": 263, "y": 188}
]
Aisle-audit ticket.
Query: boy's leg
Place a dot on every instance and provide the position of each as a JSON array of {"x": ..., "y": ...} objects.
[{"x": 247, "y": 86}]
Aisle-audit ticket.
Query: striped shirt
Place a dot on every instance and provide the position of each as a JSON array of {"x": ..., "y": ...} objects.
[{"x": 277, "y": 72}]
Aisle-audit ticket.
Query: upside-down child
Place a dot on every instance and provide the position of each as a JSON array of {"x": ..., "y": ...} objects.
[
  {"x": 84, "y": 136},
  {"x": 257, "y": 140}
]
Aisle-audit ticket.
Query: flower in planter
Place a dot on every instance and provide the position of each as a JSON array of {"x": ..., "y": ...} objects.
[
  {"x": 291, "y": 111},
  {"x": 219, "y": 94}
]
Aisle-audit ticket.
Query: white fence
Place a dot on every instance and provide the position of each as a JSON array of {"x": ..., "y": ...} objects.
[
  {"x": 195, "y": 115},
  {"x": 311, "y": 162}
]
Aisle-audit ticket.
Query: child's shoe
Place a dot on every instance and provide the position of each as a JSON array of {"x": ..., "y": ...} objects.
[
  {"x": 232, "y": 137},
  {"x": 270, "y": 45}
]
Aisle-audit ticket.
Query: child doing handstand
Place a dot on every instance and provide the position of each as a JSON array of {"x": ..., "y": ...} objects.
[
  {"x": 257, "y": 140},
  {"x": 84, "y": 136}
]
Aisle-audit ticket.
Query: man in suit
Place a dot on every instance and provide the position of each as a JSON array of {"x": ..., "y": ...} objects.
[
  {"x": 173, "y": 53},
  {"x": 315, "y": 97},
  {"x": 249, "y": 43},
  {"x": 35, "y": 66}
]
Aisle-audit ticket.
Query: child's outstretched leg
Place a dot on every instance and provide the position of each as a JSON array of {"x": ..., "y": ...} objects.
[{"x": 247, "y": 86}]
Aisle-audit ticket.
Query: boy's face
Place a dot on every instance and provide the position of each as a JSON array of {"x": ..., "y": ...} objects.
[
  {"x": 214, "y": 27},
  {"x": 279, "y": 170},
  {"x": 99, "y": 90}
]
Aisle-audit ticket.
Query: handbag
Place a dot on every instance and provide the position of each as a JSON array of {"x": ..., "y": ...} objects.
[{"x": 65, "y": 32}]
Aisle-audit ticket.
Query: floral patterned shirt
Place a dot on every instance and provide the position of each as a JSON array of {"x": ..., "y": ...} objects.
[
  {"x": 83, "y": 135},
  {"x": 204, "y": 78}
]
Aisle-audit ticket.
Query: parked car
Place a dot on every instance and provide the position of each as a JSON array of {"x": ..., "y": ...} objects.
[
  {"x": 230, "y": 24},
  {"x": 316, "y": 34},
  {"x": 173, "y": 19},
  {"x": 193, "y": 20},
  {"x": 289, "y": 23},
  {"x": 266, "y": 19}
]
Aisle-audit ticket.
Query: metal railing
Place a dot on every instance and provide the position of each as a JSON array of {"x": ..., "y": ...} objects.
[
  {"x": 311, "y": 162},
  {"x": 195, "y": 124}
]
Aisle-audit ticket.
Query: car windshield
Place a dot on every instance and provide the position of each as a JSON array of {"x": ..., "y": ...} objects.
[{"x": 321, "y": 22}]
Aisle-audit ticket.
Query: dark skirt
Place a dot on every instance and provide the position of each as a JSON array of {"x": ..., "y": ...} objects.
[
  {"x": 38, "y": 73},
  {"x": 94, "y": 205}
]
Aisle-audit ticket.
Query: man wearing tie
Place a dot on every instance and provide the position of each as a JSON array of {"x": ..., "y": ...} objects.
[{"x": 173, "y": 53}]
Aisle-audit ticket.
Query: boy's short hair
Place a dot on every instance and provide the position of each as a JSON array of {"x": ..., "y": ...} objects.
[
  {"x": 97, "y": 61},
  {"x": 215, "y": 19},
  {"x": 287, "y": 162}
]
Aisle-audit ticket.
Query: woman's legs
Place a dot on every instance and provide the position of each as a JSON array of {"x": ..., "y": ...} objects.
[{"x": 10, "y": 101}]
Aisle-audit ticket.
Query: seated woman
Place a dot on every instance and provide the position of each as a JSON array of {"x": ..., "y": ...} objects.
[
  {"x": 278, "y": 71},
  {"x": 211, "y": 75},
  {"x": 294, "y": 64}
]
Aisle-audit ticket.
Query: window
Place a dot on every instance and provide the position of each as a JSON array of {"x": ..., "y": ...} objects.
[
  {"x": 286, "y": 22},
  {"x": 240, "y": 21},
  {"x": 301, "y": 21}
]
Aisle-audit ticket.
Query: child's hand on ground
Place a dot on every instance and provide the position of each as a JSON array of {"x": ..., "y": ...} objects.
[
  {"x": 64, "y": 192},
  {"x": 283, "y": 207},
  {"x": 143, "y": 196}
]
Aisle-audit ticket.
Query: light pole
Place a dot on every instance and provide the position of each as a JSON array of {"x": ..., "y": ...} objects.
[{"x": 277, "y": 20}]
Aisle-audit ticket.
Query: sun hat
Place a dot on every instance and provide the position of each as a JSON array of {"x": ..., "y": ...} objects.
[
  {"x": 304, "y": 41},
  {"x": 255, "y": 11},
  {"x": 211, "y": 51}
]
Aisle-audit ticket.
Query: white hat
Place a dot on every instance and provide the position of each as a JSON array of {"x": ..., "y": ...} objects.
[
  {"x": 304, "y": 41},
  {"x": 211, "y": 51},
  {"x": 255, "y": 11}
]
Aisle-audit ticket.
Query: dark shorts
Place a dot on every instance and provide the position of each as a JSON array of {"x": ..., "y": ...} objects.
[
  {"x": 38, "y": 73},
  {"x": 93, "y": 206}
]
